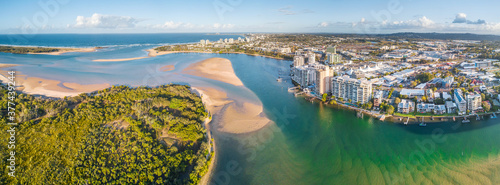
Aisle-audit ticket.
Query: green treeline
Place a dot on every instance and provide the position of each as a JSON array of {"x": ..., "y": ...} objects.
[
  {"x": 25, "y": 50},
  {"x": 119, "y": 135}
]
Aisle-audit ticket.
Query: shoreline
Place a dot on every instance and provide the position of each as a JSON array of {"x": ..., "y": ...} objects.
[{"x": 400, "y": 119}]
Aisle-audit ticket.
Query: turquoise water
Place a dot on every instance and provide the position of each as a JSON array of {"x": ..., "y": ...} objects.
[{"x": 308, "y": 143}]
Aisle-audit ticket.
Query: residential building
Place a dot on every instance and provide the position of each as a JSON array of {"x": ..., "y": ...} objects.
[
  {"x": 358, "y": 91},
  {"x": 474, "y": 102},
  {"x": 298, "y": 61},
  {"x": 450, "y": 107},
  {"x": 425, "y": 107},
  {"x": 411, "y": 93},
  {"x": 333, "y": 58},
  {"x": 377, "y": 98},
  {"x": 406, "y": 106},
  {"x": 448, "y": 82},
  {"x": 311, "y": 58},
  {"x": 460, "y": 101},
  {"x": 305, "y": 76},
  {"x": 439, "y": 109},
  {"x": 324, "y": 76}
]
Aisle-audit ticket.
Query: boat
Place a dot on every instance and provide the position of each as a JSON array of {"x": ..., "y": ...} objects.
[
  {"x": 453, "y": 118},
  {"x": 422, "y": 124},
  {"x": 493, "y": 116},
  {"x": 279, "y": 79},
  {"x": 466, "y": 120},
  {"x": 477, "y": 117}
]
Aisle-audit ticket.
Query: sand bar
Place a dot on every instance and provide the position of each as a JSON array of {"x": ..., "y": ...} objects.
[
  {"x": 219, "y": 69},
  {"x": 8, "y": 65},
  {"x": 50, "y": 88},
  {"x": 67, "y": 50},
  {"x": 167, "y": 68},
  {"x": 118, "y": 59}
]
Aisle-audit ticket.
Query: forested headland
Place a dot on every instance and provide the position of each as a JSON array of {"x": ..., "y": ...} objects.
[{"x": 119, "y": 135}]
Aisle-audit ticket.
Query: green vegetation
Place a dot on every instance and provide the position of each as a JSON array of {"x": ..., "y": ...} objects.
[
  {"x": 425, "y": 77},
  {"x": 119, "y": 135},
  {"x": 25, "y": 50}
]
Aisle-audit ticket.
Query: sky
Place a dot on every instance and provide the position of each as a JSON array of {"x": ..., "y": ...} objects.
[{"x": 291, "y": 16}]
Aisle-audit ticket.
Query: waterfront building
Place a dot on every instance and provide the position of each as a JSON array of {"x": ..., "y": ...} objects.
[
  {"x": 474, "y": 102},
  {"x": 406, "y": 106},
  {"x": 439, "y": 109},
  {"x": 460, "y": 101},
  {"x": 425, "y": 107},
  {"x": 358, "y": 91},
  {"x": 377, "y": 98},
  {"x": 305, "y": 76},
  {"x": 324, "y": 76},
  {"x": 298, "y": 61},
  {"x": 451, "y": 107}
]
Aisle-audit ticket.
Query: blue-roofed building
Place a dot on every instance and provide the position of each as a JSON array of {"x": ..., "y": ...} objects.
[{"x": 460, "y": 101}]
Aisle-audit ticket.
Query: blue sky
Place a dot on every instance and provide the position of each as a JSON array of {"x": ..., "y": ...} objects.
[{"x": 333, "y": 16}]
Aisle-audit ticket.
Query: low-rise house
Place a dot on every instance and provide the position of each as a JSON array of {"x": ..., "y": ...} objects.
[
  {"x": 406, "y": 106},
  {"x": 440, "y": 109},
  {"x": 425, "y": 107},
  {"x": 451, "y": 107}
]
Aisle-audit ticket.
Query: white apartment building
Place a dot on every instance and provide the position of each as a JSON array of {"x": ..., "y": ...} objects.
[
  {"x": 353, "y": 89},
  {"x": 460, "y": 101},
  {"x": 298, "y": 61},
  {"x": 473, "y": 102}
]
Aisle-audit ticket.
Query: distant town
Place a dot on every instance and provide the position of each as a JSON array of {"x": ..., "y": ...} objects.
[{"x": 399, "y": 77}]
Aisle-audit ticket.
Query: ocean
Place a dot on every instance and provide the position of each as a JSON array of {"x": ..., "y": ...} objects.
[{"x": 307, "y": 143}]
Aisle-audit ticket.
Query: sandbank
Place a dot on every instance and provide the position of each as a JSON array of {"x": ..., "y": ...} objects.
[
  {"x": 219, "y": 69},
  {"x": 67, "y": 50},
  {"x": 50, "y": 88},
  {"x": 167, "y": 68},
  {"x": 118, "y": 59}
]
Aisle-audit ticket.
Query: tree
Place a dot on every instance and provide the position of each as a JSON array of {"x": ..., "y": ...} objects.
[
  {"x": 424, "y": 98},
  {"x": 486, "y": 106},
  {"x": 397, "y": 101},
  {"x": 413, "y": 84},
  {"x": 390, "y": 109},
  {"x": 434, "y": 89},
  {"x": 483, "y": 97},
  {"x": 324, "y": 97},
  {"x": 332, "y": 102}
]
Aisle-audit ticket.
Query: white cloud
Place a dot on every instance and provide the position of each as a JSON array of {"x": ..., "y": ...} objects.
[
  {"x": 171, "y": 25},
  {"x": 105, "y": 21},
  {"x": 222, "y": 26},
  {"x": 323, "y": 24},
  {"x": 460, "y": 18},
  {"x": 424, "y": 24}
]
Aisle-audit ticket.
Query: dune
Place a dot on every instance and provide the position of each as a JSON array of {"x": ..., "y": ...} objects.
[{"x": 219, "y": 69}]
